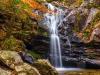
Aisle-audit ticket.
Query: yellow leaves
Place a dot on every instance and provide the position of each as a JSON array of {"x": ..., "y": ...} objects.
[
  {"x": 37, "y": 17},
  {"x": 35, "y": 5}
]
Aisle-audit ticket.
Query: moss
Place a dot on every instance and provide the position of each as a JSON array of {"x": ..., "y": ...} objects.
[
  {"x": 15, "y": 6},
  {"x": 35, "y": 55},
  {"x": 44, "y": 67},
  {"x": 41, "y": 31},
  {"x": 76, "y": 3},
  {"x": 96, "y": 19},
  {"x": 87, "y": 32},
  {"x": 93, "y": 5},
  {"x": 79, "y": 2},
  {"x": 23, "y": 33},
  {"x": 79, "y": 19},
  {"x": 12, "y": 43}
]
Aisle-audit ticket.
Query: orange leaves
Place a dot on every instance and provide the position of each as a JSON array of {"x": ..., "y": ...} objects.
[
  {"x": 36, "y": 5},
  {"x": 37, "y": 17}
]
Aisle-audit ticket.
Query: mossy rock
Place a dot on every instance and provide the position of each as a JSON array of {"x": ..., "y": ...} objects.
[
  {"x": 13, "y": 62},
  {"x": 35, "y": 55},
  {"x": 10, "y": 58},
  {"x": 13, "y": 44},
  {"x": 44, "y": 67}
]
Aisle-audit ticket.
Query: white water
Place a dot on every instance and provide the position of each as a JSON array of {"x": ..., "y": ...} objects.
[
  {"x": 62, "y": 71},
  {"x": 53, "y": 21}
]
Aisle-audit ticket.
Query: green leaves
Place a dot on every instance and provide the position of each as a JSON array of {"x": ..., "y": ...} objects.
[
  {"x": 25, "y": 6},
  {"x": 86, "y": 34},
  {"x": 17, "y": 1}
]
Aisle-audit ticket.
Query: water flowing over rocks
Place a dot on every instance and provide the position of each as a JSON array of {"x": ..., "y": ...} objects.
[
  {"x": 24, "y": 41},
  {"x": 74, "y": 48}
]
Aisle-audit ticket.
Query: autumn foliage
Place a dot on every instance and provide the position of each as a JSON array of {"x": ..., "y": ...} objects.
[{"x": 35, "y": 5}]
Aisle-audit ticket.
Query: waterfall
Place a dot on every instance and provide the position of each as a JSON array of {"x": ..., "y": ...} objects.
[{"x": 53, "y": 21}]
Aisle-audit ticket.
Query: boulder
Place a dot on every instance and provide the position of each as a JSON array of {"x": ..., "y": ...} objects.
[
  {"x": 44, "y": 67},
  {"x": 11, "y": 60},
  {"x": 25, "y": 69},
  {"x": 5, "y": 72}
]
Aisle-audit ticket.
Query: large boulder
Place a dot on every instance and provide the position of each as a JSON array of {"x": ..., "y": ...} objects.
[
  {"x": 26, "y": 69},
  {"x": 5, "y": 72},
  {"x": 11, "y": 60},
  {"x": 44, "y": 67}
]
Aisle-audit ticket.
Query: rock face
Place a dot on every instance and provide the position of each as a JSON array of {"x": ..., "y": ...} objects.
[{"x": 79, "y": 33}]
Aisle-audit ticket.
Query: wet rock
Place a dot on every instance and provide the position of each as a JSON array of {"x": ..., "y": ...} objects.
[
  {"x": 45, "y": 68},
  {"x": 93, "y": 64}
]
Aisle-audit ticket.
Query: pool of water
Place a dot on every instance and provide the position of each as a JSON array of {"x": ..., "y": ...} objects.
[
  {"x": 77, "y": 71},
  {"x": 62, "y": 71}
]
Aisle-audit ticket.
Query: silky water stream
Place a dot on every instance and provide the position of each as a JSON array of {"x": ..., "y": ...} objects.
[{"x": 53, "y": 21}]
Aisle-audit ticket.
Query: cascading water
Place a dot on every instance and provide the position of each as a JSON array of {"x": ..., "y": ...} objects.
[{"x": 53, "y": 21}]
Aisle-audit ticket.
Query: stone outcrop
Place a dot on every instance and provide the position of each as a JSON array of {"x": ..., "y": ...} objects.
[
  {"x": 45, "y": 68},
  {"x": 13, "y": 61},
  {"x": 12, "y": 64}
]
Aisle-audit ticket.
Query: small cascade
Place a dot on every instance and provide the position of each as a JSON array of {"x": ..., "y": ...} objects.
[{"x": 53, "y": 21}]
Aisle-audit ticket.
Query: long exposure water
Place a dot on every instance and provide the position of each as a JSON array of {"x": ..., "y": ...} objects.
[{"x": 53, "y": 21}]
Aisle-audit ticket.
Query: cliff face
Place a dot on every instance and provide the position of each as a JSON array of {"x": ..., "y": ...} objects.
[
  {"x": 82, "y": 28},
  {"x": 21, "y": 30}
]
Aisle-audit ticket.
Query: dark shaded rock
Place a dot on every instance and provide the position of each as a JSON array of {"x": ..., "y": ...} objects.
[
  {"x": 26, "y": 58},
  {"x": 91, "y": 65},
  {"x": 40, "y": 44}
]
